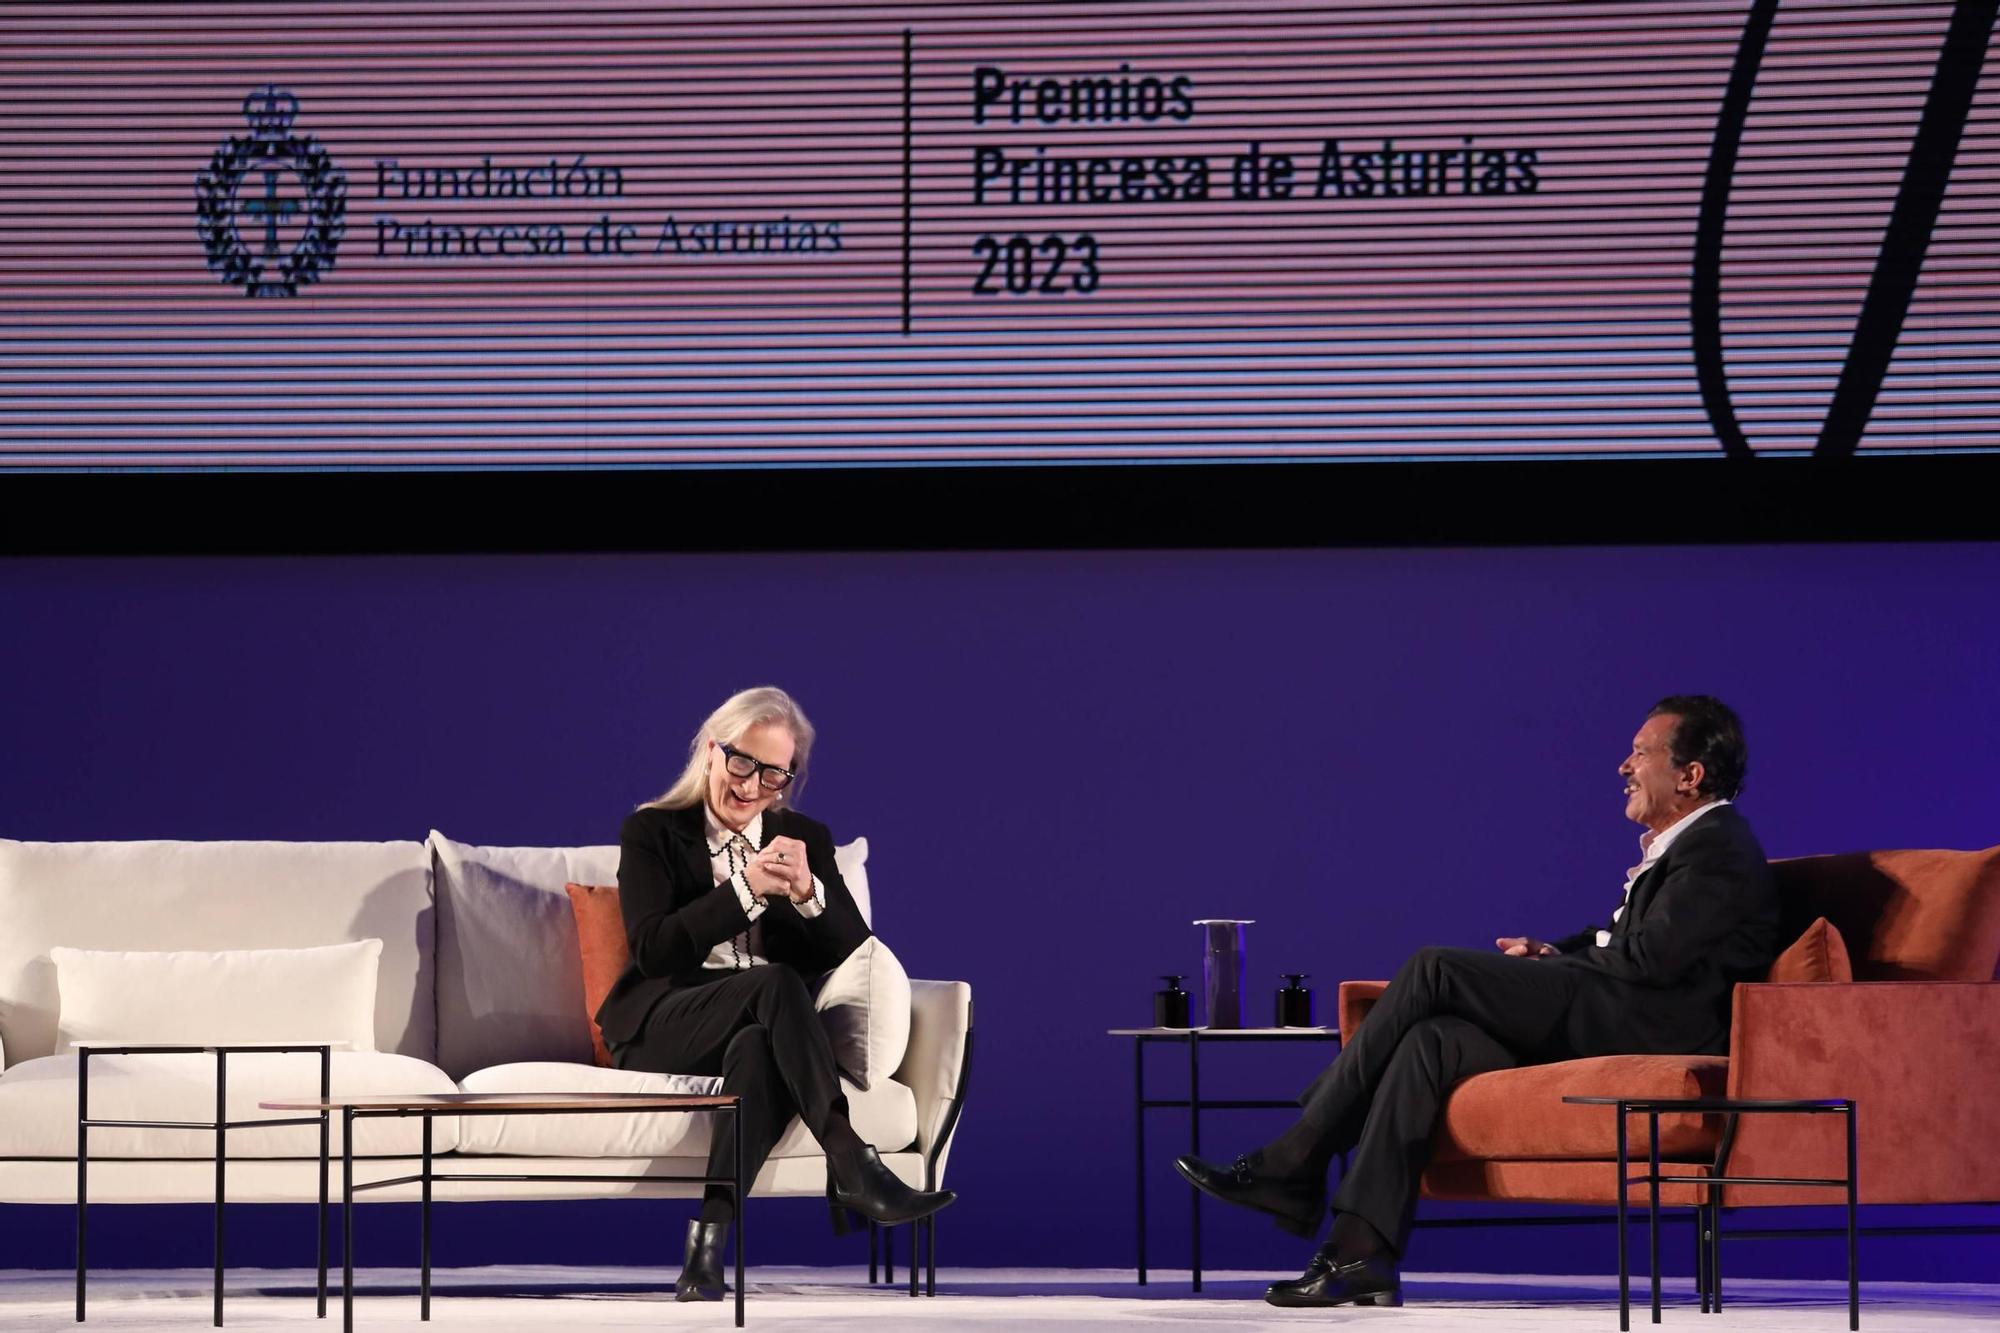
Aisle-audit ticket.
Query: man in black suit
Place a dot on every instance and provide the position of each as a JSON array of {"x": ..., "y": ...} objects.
[{"x": 1700, "y": 914}]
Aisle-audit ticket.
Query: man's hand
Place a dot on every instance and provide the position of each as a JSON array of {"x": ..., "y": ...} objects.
[
  {"x": 1521, "y": 946},
  {"x": 784, "y": 860}
]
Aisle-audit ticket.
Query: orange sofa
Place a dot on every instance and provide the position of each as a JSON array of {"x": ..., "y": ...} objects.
[{"x": 1913, "y": 1038}]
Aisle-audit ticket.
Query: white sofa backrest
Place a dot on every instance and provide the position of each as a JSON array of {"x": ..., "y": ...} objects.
[
  {"x": 216, "y": 895},
  {"x": 509, "y": 978}
]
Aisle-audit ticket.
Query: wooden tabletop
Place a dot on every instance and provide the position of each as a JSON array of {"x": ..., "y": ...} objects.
[{"x": 514, "y": 1101}]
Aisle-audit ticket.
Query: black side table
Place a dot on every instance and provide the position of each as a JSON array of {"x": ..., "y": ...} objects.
[
  {"x": 1653, "y": 1108},
  {"x": 1195, "y": 1104},
  {"x": 221, "y": 1126}
]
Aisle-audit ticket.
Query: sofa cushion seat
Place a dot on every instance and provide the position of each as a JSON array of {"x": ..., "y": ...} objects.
[
  {"x": 1520, "y": 1113},
  {"x": 38, "y": 1104},
  {"x": 885, "y": 1115}
]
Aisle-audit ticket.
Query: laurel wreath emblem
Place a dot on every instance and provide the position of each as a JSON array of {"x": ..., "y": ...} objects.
[{"x": 325, "y": 211}]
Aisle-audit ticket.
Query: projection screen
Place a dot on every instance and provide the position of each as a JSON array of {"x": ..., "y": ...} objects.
[{"x": 496, "y": 233}]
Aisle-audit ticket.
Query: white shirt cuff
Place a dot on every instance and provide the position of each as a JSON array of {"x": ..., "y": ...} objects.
[
  {"x": 753, "y": 906},
  {"x": 814, "y": 905}
]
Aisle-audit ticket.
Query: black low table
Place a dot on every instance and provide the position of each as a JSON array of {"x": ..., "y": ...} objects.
[
  {"x": 220, "y": 1127},
  {"x": 1653, "y": 1108},
  {"x": 495, "y": 1103},
  {"x": 1194, "y": 1103}
]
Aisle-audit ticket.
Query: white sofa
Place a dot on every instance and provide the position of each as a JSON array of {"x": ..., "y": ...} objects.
[{"x": 479, "y": 989}]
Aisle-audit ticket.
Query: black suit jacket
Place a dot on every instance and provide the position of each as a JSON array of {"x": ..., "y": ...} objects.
[
  {"x": 675, "y": 912},
  {"x": 1702, "y": 918}
]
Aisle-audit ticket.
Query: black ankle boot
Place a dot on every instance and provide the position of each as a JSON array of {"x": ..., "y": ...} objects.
[
  {"x": 701, "y": 1274},
  {"x": 857, "y": 1182}
]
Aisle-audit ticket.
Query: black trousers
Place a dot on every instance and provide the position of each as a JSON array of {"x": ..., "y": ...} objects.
[
  {"x": 757, "y": 1029},
  {"x": 1447, "y": 1015}
]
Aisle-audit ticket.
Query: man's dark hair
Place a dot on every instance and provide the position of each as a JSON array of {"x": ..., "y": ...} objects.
[{"x": 1709, "y": 733}]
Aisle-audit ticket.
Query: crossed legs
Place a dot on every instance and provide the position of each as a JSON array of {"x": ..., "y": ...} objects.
[
  {"x": 757, "y": 1029},
  {"x": 1447, "y": 1015}
]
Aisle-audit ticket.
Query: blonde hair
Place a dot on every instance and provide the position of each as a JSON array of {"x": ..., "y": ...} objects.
[{"x": 727, "y": 724}]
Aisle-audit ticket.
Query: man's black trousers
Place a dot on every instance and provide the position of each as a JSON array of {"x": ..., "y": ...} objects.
[{"x": 1447, "y": 1015}]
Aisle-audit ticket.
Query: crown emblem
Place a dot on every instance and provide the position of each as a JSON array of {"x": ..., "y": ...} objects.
[
  {"x": 271, "y": 206},
  {"x": 271, "y": 111}
]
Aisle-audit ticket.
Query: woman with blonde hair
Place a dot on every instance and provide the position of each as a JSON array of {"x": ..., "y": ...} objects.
[{"x": 732, "y": 902}]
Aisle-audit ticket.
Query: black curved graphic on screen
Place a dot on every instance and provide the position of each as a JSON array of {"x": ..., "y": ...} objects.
[{"x": 1904, "y": 240}]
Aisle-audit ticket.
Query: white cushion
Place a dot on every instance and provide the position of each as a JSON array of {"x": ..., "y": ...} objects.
[
  {"x": 864, "y": 1004},
  {"x": 215, "y": 895},
  {"x": 38, "y": 1104},
  {"x": 851, "y": 859},
  {"x": 885, "y": 1115},
  {"x": 510, "y": 976},
  {"x": 325, "y": 994}
]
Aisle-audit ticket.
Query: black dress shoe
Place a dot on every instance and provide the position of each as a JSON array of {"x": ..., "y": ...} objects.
[
  {"x": 701, "y": 1273},
  {"x": 1325, "y": 1282},
  {"x": 858, "y": 1183},
  {"x": 1297, "y": 1205}
]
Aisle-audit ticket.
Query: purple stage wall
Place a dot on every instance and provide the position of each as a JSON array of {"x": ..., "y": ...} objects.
[{"x": 1059, "y": 760}]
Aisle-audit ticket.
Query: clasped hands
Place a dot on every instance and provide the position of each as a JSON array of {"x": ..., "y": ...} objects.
[
  {"x": 780, "y": 871},
  {"x": 1521, "y": 946}
]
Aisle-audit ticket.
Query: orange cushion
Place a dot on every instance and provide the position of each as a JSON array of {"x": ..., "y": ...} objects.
[
  {"x": 1520, "y": 1113},
  {"x": 1818, "y": 955},
  {"x": 600, "y": 934},
  {"x": 1905, "y": 916}
]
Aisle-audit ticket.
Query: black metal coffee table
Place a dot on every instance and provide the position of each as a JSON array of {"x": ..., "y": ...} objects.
[{"x": 428, "y": 1108}]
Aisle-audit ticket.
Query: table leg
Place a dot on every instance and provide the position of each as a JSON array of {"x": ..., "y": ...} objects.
[
  {"x": 1701, "y": 1254},
  {"x": 424, "y": 1244},
  {"x": 347, "y": 1220},
  {"x": 325, "y": 1135},
  {"x": 1139, "y": 1140},
  {"x": 740, "y": 1201},
  {"x": 82, "y": 1174},
  {"x": 221, "y": 1159},
  {"x": 1653, "y": 1205},
  {"x": 1194, "y": 1146},
  {"x": 1853, "y": 1254},
  {"x": 1711, "y": 1252},
  {"x": 1624, "y": 1253}
]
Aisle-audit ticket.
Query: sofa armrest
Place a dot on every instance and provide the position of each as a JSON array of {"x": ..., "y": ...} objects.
[
  {"x": 1356, "y": 999},
  {"x": 935, "y": 1066},
  {"x": 1921, "y": 1061}
]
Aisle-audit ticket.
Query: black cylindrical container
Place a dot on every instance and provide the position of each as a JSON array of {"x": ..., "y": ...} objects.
[
  {"x": 1170, "y": 1006},
  {"x": 1295, "y": 1002}
]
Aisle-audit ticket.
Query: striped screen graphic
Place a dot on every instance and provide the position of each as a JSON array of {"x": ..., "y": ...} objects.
[{"x": 481, "y": 233}]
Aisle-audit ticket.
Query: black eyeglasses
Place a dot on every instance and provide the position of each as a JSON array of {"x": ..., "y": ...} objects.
[{"x": 740, "y": 765}]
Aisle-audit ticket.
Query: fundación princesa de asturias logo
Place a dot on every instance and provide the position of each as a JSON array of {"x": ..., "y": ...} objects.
[{"x": 271, "y": 206}]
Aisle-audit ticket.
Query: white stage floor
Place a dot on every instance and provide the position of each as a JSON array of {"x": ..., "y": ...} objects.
[{"x": 501, "y": 1300}]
